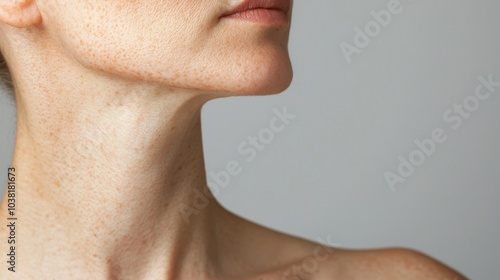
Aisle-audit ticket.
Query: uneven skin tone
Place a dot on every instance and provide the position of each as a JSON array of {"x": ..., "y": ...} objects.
[{"x": 108, "y": 151}]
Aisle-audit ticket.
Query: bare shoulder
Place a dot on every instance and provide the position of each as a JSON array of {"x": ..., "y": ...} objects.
[
  {"x": 387, "y": 264},
  {"x": 280, "y": 256}
]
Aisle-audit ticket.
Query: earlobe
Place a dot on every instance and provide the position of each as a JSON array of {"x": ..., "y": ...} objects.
[{"x": 20, "y": 13}]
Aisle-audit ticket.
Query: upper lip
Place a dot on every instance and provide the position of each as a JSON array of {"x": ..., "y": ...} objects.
[{"x": 281, "y": 5}]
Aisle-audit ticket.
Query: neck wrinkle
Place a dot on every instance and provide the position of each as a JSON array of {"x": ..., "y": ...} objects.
[{"x": 112, "y": 188}]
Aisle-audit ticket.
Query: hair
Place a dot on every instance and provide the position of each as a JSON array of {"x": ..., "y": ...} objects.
[{"x": 6, "y": 84}]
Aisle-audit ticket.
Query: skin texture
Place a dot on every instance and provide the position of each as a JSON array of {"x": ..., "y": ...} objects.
[{"x": 108, "y": 152}]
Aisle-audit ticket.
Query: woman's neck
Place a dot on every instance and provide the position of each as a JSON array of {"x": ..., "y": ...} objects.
[{"x": 112, "y": 182}]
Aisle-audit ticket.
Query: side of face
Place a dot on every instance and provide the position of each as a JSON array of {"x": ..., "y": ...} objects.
[{"x": 178, "y": 43}]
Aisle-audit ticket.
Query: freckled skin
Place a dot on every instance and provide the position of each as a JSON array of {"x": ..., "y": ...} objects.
[
  {"x": 185, "y": 42},
  {"x": 109, "y": 147}
]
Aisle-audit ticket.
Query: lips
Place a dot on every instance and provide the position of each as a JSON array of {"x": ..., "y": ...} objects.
[{"x": 248, "y": 5}]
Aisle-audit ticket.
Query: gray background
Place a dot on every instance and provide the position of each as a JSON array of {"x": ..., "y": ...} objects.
[{"x": 323, "y": 175}]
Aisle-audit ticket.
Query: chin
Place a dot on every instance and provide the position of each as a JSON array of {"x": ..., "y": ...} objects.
[
  {"x": 269, "y": 78},
  {"x": 267, "y": 85}
]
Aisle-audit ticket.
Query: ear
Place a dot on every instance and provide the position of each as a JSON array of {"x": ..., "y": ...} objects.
[{"x": 20, "y": 13}]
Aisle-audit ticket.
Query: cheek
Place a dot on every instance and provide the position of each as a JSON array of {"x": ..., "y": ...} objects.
[{"x": 145, "y": 40}]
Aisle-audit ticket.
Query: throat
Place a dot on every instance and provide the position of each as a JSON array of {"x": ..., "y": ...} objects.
[{"x": 117, "y": 193}]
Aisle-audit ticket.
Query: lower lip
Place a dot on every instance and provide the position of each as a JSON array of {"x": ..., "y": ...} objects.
[{"x": 265, "y": 16}]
